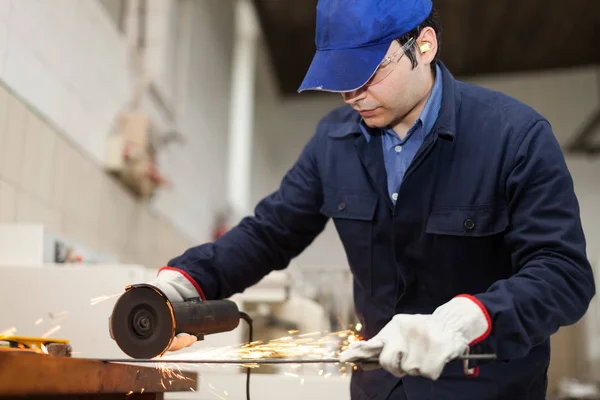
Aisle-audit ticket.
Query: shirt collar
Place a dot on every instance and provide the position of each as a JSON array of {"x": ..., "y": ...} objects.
[{"x": 429, "y": 113}]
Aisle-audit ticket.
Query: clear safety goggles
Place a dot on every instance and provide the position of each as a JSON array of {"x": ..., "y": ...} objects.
[{"x": 388, "y": 64}]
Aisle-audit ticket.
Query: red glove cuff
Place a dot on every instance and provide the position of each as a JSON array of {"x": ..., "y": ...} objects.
[{"x": 485, "y": 313}]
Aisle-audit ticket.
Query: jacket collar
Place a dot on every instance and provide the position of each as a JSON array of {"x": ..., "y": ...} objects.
[{"x": 445, "y": 126}]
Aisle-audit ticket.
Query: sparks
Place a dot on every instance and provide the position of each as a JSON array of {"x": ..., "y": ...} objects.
[
  {"x": 39, "y": 321},
  {"x": 100, "y": 299},
  {"x": 51, "y": 331},
  {"x": 8, "y": 332},
  {"x": 216, "y": 394},
  {"x": 317, "y": 345}
]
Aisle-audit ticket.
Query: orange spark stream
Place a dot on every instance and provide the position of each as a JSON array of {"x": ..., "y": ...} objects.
[{"x": 315, "y": 345}]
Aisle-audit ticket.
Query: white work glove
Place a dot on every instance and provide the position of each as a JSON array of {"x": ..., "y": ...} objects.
[
  {"x": 177, "y": 287},
  {"x": 422, "y": 344}
]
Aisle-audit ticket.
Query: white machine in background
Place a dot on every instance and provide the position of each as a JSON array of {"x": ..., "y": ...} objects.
[
  {"x": 590, "y": 350},
  {"x": 74, "y": 302}
]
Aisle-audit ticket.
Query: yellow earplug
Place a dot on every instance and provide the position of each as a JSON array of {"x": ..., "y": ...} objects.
[{"x": 425, "y": 47}]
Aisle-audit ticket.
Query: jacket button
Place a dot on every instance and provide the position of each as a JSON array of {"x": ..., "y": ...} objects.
[
  {"x": 469, "y": 224},
  {"x": 341, "y": 206}
]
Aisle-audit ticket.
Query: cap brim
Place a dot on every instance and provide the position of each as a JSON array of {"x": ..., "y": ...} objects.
[{"x": 343, "y": 70}]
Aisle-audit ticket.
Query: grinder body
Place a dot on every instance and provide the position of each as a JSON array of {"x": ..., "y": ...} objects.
[
  {"x": 200, "y": 318},
  {"x": 144, "y": 322}
]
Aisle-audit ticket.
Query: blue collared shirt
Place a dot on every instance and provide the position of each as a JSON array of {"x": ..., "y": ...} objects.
[{"x": 398, "y": 153}]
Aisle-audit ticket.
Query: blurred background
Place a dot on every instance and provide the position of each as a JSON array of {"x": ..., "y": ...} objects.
[{"x": 131, "y": 130}]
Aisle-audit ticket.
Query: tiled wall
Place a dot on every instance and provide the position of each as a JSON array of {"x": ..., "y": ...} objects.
[
  {"x": 68, "y": 60},
  {"x": 46, "y": 179}
]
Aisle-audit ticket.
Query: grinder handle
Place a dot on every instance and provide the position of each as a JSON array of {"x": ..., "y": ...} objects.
[{"x": 200, "y": 318}]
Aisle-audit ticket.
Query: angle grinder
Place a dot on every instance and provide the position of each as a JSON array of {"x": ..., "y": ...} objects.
[{"x": 144, "y": 322}]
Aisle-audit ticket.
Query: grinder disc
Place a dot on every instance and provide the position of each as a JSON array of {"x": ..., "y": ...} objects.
[{"x": 142, "y": 323}]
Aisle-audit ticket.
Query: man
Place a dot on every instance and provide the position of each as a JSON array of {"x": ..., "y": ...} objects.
[{"x": 454, "y": 205}]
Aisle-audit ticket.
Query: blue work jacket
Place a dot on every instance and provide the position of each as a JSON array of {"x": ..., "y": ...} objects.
[{"x": 486, "y": 207}]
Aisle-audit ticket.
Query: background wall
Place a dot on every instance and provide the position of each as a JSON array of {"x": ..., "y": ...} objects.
[{"x": 67, "y": 71}]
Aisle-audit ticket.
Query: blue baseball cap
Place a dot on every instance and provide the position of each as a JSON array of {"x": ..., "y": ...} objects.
[{"x": 353, "y": 36}]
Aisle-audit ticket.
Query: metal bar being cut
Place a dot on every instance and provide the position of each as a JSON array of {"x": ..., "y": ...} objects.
[{"x": 273, "y": 361}]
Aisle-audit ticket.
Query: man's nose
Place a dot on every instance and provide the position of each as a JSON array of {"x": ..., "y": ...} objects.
[{"x": 354, "y": 96}]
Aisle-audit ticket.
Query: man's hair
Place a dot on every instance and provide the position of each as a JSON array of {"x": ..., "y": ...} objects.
[{"x": 433, "y": 20}]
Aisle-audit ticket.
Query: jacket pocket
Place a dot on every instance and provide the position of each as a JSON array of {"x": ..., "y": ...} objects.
[
  {"x": 466, "y": 249},
  {"x": 480, "y": 221},
  {"x": 353, "y": 214}
]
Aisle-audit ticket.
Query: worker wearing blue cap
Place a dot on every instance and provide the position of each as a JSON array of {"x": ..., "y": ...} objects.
[{"x": 454, "y": 205}]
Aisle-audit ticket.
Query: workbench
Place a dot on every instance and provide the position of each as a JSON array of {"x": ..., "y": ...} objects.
[{"x": 31, "y": 375}]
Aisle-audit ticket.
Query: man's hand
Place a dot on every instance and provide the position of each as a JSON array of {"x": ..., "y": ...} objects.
[
  {"x": 177, "y": 288},
  {"x": 422, "y": 344},
  {"x": 181, "y": 341}
]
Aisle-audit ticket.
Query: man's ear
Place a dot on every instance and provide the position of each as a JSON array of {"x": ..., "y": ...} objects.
[{"x": 427, "y": 43}]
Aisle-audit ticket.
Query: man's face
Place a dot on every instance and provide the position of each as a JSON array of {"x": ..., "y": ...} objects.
[{"x": 387, "y": 102}]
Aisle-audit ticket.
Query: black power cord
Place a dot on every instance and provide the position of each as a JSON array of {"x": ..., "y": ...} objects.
[{"x": 247, "y": 318}]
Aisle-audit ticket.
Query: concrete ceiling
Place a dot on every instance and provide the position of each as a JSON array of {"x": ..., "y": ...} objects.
[{"x": 479, "y": 37}]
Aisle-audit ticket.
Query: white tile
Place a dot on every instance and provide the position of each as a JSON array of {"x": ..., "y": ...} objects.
[
  {"x": 3, "y": 115},
  {"x": 93, "y": 180},
  {"x": 38, "y": 159},
  {"x": 11, "y": 158},
  {"x": 3, "y": 43},
  {"x": 79, "y": 231},
  {"x": 127, "y": 212},
  {"x": 25, "y": 18},
  {"x": 8, "y": 202},
  {"x": 52, "y": 45},
  {"x": 61, "y": 10},
  {"x": 4, "y": 10},
  {"x": 81, "y": 195},
  {"x": 110, "y": 223},
  {"x": 74, "y": 196},
  {"x": 46, "y": 163},
  {"x": 31, "y": 152},
  {"x": 35, "y": 82},
  {"x": 60, "y": 170},
  {"x": 31, "y": 209}
]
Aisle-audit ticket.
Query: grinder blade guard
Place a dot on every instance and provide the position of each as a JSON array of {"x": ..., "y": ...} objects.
[{"x": 144, "y": 322}]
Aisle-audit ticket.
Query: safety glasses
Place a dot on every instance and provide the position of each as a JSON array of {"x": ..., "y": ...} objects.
[{"x": 388, "y": 64}]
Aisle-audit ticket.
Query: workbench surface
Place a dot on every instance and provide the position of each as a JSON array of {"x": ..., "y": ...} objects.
[{"x": 30, "y": 374}]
